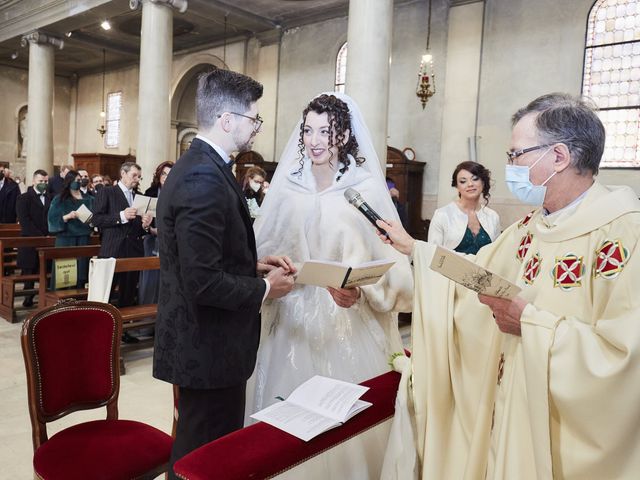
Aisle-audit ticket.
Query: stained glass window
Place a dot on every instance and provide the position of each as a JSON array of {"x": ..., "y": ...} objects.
[
  {"x": 612, "y": 77},
  {"x": 341, "y": 68},
  {"x": 114, "y": 103}
]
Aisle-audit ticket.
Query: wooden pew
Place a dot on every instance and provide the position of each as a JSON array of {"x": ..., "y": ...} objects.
[
  {"x": 51, "y": 297},
  {"x": 8, "y": 249},
  {"x": 137, "y": 316},
  {"x": 10, "y": 229}
]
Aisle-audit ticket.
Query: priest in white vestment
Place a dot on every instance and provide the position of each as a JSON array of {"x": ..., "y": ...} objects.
[{"x": 547, "y": 385}]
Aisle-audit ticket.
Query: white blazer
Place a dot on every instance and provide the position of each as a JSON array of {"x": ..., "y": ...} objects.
[{"x": 449, "y": 224}]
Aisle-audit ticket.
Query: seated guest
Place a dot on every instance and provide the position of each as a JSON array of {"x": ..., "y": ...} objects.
[
  {"x": 252, "y": 187},
  {"x": 9, "y": 192},
  {"x": 32, "y": 208},
  {"x": 69, "y": 230},
  {"x": 467, "y": 224}
]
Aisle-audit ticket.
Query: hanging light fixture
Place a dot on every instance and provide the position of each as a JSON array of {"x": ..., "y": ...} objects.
[
  {"x": 101, "y": 129},
  {"x": 426, "y": 87}
]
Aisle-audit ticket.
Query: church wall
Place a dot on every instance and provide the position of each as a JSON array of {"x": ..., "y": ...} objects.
[
  {"x": 88, "y": 108},
  {"x": 529, "y": 49},
  {"x": 13, "y": 95}
]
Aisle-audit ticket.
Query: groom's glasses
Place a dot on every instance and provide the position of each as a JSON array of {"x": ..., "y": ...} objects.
[{"x": 257, "y": 120}]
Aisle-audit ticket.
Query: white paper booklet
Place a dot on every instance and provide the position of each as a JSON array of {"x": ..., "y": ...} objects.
[
  {"x": 145, "y": 205},
  {"x": 457, "y": 268},
  {"x": 84, "y": 214},
  {"x": 318, "y": 405},
  {"x": 339, "y": 275}
]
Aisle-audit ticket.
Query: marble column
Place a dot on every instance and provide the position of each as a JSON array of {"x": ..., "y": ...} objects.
[
  {"x": 154, "y": 105},
  {"x": 368, "y": 66},
  {"x": 40, "y": 101}
]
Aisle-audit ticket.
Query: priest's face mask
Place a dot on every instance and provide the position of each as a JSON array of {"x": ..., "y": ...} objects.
[{"x": 526, "y": 183}]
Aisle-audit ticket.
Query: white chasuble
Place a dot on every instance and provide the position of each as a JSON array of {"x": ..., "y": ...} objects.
[{"x": 562, "y": 400}]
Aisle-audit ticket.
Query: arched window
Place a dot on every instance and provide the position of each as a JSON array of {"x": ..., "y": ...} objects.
[
  {"x": 612, "y": 77},
  {"x": 341, "y": 68}
]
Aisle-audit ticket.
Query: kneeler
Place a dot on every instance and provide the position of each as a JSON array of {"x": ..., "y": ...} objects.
[{"x": 262, "y": 451}]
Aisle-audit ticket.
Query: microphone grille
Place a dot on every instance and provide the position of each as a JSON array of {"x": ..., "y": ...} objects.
[{"x": 351, "y": 195}]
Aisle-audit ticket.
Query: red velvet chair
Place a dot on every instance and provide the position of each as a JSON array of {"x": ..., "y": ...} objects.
[{"x": 71, "y": 354}]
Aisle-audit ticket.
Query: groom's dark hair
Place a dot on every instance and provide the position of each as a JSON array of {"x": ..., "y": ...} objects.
[{"x": 222, "y": 91}]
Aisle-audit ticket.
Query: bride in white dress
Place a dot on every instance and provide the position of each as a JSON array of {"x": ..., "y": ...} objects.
[{"x": 346, "y": 334}]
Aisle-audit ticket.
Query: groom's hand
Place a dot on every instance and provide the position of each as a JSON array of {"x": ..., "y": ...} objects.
[
  {"x": 271, "y": 262},
  {"x": 281, "y": 282}
]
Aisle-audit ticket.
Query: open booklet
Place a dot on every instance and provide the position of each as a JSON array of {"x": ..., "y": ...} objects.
[
  {"x": 457, "y": 268},
  {"x": 339, "y": 275},
  {"x": 84, "y": 214},
  {"x": 318, "y": 405},
  {"x": 145, "y": 205}
]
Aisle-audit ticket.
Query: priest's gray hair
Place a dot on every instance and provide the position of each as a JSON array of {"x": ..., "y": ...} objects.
[
  {"x": 222, "y": 91},
  {"x": 563, "y": 118}
]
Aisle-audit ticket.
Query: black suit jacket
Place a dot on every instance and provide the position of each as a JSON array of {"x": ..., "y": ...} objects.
[
  {"x": 56, "y": 184},
  {"x": 208, "y": 323},
  {"x": 32, "y": 215},
  {"x": 119, "y": 239},
  {"x": 8, "y": 196}
]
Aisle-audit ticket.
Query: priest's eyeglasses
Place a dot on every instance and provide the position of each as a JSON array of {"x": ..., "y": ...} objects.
[
  {"x": 511, "y": 156},
  {"x": 257, "y": 120}
]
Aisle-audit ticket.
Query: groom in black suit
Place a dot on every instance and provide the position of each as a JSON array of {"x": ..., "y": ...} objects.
[{"x": 211, "y": 290}]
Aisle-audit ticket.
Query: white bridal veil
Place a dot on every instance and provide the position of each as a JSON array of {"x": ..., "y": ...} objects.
[{"x": 285, "y": 178}]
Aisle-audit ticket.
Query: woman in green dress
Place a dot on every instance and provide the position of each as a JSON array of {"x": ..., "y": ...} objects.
[{"x": 65, "y": 224}]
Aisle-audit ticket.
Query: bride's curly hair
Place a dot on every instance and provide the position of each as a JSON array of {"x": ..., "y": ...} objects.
[{"x": 339, "y": 122}]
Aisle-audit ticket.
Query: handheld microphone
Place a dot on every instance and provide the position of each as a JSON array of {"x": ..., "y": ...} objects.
[{"x": 355, "y": 199}]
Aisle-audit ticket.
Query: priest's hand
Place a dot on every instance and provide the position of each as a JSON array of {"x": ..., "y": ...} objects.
[
  {"x": 271, "y": 262},
  {"x": 507, "y": 313},
  {"x": 396, "y": 236},
  {"x": 344, "y": 297}
]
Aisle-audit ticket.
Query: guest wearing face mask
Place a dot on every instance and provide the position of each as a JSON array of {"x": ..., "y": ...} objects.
[
  {"x": 97, "y": 181},
  {"x": 32, "y": 208},
  {"x": 85, "y": 183},
  {"x": 253, "y": 190},
  {"x": 69, "y": 230}
]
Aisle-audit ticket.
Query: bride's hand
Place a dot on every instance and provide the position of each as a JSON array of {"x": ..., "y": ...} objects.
[{"x": 344, "y": 297}]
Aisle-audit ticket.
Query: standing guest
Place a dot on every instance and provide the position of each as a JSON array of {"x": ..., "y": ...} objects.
[
  {"x": 545, "y": 384},
  {"x": 107, "y": 181},
  {"x": 9, "y": 192},
  {"x": 208, "y": 323},
  {"x": 56, "y": 183},
  {"x": 21, "y": 185},
  {"x": 97, "y": 182},
  {"x": 122, "y": 229},
  {"x": 32, "y": 208},
  {"x": 85, "y": 183},
  {"x": 252, "y": 188},
  {"x": 149, "y": 279},
  {"x": 63, "y": 221},
  {"x": 467, "y": 224}
]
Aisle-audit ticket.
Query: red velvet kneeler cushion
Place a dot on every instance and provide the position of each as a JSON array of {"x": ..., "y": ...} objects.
[
  {"x": 101, "y": 450},
  {"x": 260, "y": 450}
]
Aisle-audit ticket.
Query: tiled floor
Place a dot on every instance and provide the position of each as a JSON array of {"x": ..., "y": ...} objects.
[{"x": 142, "y": 398}]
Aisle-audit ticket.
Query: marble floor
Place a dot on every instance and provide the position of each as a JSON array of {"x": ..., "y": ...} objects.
[{"x": 142, "y": 398}]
